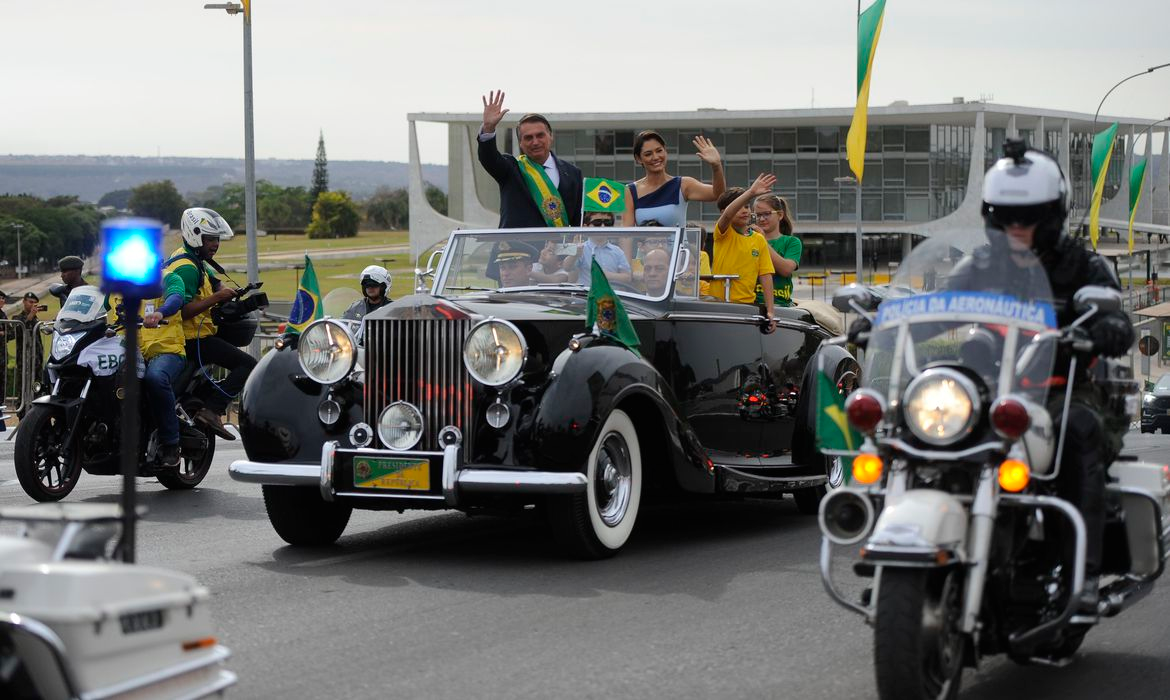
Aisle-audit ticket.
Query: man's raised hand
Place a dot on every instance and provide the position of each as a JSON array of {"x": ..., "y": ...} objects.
[{"x": 493, "y": 111}]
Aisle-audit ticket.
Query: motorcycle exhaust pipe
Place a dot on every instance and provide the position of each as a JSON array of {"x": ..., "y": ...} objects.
[{"x": 846, "y": 516}]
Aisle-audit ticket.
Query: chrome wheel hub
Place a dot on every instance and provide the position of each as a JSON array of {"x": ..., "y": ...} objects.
[{"x": 612, "y": 479}]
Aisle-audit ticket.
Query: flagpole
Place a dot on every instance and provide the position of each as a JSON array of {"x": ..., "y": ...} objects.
[{"x": 858, "y": 237}]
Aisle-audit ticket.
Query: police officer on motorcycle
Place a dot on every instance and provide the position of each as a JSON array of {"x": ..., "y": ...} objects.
[
  {"x": 375, "y": 281},
  {"x": 203, "y": 230},
  {"x": 1025, "y": 196}
]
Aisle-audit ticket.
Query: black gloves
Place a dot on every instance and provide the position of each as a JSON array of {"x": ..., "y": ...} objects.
[
  {"x": 858, "y": 333},
  {"x": 1112, "y": 336}
]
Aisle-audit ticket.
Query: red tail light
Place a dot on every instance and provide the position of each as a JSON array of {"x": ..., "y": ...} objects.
[
  {"x": 864, "y": 410},
  {"x": 1009, "y": 418}
]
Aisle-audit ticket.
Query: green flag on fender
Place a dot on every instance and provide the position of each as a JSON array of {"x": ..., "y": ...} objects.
[
  {"x": 833, "y": 429},
  {"x": 306, "y": 307},
  {"x": 606, "y": 313}
]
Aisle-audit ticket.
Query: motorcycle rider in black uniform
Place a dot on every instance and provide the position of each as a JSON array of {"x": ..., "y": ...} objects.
[{"x": 375, "y": 281}]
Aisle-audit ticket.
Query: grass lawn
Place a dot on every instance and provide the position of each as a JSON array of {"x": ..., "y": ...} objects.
[
  {"x": 281, "y": 285},
  {"x": 236, "y": 249}
]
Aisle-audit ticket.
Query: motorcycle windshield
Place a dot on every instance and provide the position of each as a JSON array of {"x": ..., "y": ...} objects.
[{"x": 964, "y": 321}]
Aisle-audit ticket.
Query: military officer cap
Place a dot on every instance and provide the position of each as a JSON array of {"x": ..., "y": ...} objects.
[{"x": 515, "y": 250}]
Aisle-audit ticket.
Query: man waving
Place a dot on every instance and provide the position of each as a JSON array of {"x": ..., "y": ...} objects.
[{"x": 537, "y": 189}]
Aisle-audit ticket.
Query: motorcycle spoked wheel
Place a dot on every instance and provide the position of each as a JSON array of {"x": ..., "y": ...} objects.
[
  {"x": 193, "y": 466},
  {"x": 42, "y": 472},
  {"x": 918, "y": 647}
]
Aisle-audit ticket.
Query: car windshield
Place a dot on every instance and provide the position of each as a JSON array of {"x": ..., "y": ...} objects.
[
  {"x": 636, "y": 261},
  {"x": 1164, "y": 382}
]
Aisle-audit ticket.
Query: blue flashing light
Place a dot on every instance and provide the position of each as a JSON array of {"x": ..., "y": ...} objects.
[{"x": 132, "y": 257}]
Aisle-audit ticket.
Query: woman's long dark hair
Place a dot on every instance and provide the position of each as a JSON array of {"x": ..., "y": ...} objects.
[{"x": 779, "y": 204}]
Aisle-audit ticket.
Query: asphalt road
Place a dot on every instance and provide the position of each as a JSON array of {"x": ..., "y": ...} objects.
[{"x": 715, "y": 600}]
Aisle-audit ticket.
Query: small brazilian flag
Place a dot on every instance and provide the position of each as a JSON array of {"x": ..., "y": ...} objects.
[
  {"x": 604, "y": 195},
  {"x": 833, "y": 429},
  {"x": 606, "y": 313},
  {"x": 306, "y": 307}
]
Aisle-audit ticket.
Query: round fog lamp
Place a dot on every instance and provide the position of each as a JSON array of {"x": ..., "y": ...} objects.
[
  {"x": 329, "y": 411},
  {"x": 400, "y": 426},
  {"x": 498, "y": 414},
  {"x": 361, "y": 435}
]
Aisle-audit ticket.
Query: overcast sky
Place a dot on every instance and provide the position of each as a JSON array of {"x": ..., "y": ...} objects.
[{"x": 141, "y": 77}]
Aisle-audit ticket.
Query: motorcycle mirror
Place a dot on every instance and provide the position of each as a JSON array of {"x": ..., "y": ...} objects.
[
  {"x": 1100, "y": 299},
  {"x": 855, "y": 297},
  {"x": 58, "y": 290}
]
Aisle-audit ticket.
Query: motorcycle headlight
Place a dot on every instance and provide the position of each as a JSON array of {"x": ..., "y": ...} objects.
[
  {"x": 1148, "y": 398},
  {"x": 327, "y": 351},
  {"x": 400, "y": 426},
  {"x": 63, "y": 344},
  {"x": 941, "y": 406},
  {"x": 494, "y": 352}
]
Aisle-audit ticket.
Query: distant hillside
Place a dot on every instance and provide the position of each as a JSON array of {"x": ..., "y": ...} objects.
[{"x": 90, "y": 177}]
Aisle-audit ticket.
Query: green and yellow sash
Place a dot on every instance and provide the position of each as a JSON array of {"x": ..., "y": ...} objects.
[{"x": 547, "y": 198}]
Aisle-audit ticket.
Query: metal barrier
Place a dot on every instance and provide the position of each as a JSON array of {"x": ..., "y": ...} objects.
[{"x": 18, "y": 345}]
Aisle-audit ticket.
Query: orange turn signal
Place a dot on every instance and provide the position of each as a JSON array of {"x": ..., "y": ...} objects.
[
  {"x": 1014, "y": 475},
  {"x": 199, "y": 644},
  {"x": 867, "y": 468}
]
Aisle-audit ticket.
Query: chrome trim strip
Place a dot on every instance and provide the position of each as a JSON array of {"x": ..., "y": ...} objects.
[
  {"x": 328, "y": 450},
  {"x": 504, "y": 481},
  {"x": 942, "y": 455},
  {"x": 827, "y": 581},
  {"x": 451, "y": 475},
  {"x": 219, "y": 654},
  {"x": 693, "y": 316},
  {"x": 43, "y": 632},
  {"x": 400, "y": 495},
  {"x": 280, "y": 474}
]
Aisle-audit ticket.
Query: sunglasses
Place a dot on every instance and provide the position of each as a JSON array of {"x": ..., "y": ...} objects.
[
  {"x": 1027, "y": 215},
  {"x": 599, "y": 222}
]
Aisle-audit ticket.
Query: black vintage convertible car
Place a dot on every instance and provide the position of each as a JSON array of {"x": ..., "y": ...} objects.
[{"x": 489, "y": 393}]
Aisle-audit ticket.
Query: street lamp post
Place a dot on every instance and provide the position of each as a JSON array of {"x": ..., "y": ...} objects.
[
  {"x": 19, "y": 264},
  {"x": 233, "y": 8}
]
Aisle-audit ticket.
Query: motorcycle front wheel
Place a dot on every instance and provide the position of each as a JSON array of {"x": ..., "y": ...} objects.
[
  {"x": 43, "y": 473},
  {"x": 193, "y": 466},
  {"x": 918, "y": 647}
]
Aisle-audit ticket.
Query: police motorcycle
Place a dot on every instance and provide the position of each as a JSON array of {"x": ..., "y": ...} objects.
[
  {"x": 952, "y": 517},
  {"x": 76, "y": 427}
]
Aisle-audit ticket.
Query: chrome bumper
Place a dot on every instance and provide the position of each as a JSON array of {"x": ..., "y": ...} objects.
[{"x": 456, "y": 478}]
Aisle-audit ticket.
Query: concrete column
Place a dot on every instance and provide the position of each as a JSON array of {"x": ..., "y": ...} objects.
[
  {"x": 1065, "y": 149},
  {"x": 1040, "y": 139},
  {"x": 1161, "y": 179},
  {"x": 1012, "y": 132},
  {"x": 1146, "y": 206}
]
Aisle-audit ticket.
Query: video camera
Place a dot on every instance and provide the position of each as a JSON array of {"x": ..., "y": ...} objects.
[{"x": 236, "y": 320}]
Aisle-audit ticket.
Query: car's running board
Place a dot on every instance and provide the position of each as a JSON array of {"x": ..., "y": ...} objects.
[{"x": 732, "y": 480}]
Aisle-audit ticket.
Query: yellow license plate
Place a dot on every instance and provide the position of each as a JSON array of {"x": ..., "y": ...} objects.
[{"x": 392, "y": 474}]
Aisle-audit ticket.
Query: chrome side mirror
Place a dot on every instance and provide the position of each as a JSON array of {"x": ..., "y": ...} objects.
[
  {"x": 855, "y": 297},
  {"x": 1096, "y": 299},
  {"x": 438, "y": 253},
  {"x": 421, "y": 274}
]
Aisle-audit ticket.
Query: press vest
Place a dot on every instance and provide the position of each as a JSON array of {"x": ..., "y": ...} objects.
[{"x": 201, "y": 325}]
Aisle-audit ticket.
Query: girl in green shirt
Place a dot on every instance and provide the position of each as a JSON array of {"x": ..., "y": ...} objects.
[{"x": 774, "y": 220}]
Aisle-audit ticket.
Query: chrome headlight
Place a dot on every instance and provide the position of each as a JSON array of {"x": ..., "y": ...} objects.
[
  {"x": 494, "y": 352},
  {"x": 941, "y": 406},
  {"x": 63, "y": 344},
  {"x": 400, "y": 426},
  {"x": 1148, "y": 398},
  {"x": 327, "y": 351}
]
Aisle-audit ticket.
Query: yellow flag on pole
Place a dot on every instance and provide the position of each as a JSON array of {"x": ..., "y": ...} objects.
[{"x": 869, "y": 28}]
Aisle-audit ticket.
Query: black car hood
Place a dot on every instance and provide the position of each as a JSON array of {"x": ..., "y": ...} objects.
[{"x": 512, "y": 306}]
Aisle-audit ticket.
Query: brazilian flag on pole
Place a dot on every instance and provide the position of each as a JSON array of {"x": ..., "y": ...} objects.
[
  {"x": 606, "y": 314},
  {"x": 1137, "y": 180},
  {"x": 869, "y": 28},
  {"x": 1102, "y": 154},
  {"x": 306, "y": 307},
  {"x": 834, "y": 434},
  {"x": 602, "y": 194}
]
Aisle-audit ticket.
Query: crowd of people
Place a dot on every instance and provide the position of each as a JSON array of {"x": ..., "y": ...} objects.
[{"x": 754, "y": 250}]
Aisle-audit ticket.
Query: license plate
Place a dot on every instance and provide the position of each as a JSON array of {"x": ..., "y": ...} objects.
[{"x": 393, "y": 474}]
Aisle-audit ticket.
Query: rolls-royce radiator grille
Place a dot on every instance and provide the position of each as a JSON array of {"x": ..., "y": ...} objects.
[{"x": 420, "y": 362}]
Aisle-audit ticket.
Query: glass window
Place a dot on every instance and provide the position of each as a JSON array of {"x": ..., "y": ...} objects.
[
  {"x": 843, "y": 138},
  {"x": 827, "y": 173},
  {"x": 917, "y": 208},
  {"x": 563, "y": 141},
  {"x": 670, "y": 136},
  {"x": 894, "y": 203},
  {"x": 603, "y": 143},
  {"x": 918, "y": 140},
  {"x": 586, "y": 168},
  {"x": 604, "y": 169},
  {"x": 828, "y": 209},
  {"x": 895, "y": 171},
  {"x": 827, "y": 139},
  {"x": 918, "y": 173},
  {"x": 623, "y": 142},
  {"x": 871, "y": 208},
  {"x": 806, "y": 139},
  {"x": 785, "y": 173},
  {"x": 894, "y": 138},
  {"x": 806, "y": 206},
  {"x": 872, "y": 176},
  {"x": 737, "y": 174},
  {"x": 715, "y": 135},
  {"x": 784, "y": 141},
  {"x": 873, "y": 140},
  {"x": 625, "y": 170},
  {"x": 690, "y": 169},
  {"x": 806, "y": 172},
  {"x": 736, "y": 142},
  {"x": 848, "y": 204},
  {"x": 761, "y": 140},
  {"x": 585, "y": 142}
]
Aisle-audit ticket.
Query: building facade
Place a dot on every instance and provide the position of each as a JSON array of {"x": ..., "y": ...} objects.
[{"x": 923, "y": 169}]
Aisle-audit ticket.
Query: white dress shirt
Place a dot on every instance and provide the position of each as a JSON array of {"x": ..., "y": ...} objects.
[{"x": 550, "y": 164}]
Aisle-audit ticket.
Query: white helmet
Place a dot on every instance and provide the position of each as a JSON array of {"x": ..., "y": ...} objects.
[
  {"x": 1026, "y": 187},
  {"x": 378, "y": 275},
  {"x": 199, "y": 222}
]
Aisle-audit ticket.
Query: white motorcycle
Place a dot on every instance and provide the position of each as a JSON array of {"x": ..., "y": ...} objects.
[{"x": 953, "y": 505}]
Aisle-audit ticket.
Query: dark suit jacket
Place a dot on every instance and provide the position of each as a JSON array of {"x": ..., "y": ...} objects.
[{"x": 517, "y": 208}]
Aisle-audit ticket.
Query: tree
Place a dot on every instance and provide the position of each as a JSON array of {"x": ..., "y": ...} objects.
[
  {"x": 437, "y": 199},
  {"x": 388, "y": 209},
  {"x": 158, "y": 200},
  {"x": 320, "y": 171},
  {"x": 118, "y": 199},
  {"x": 334, "y": 216},
  {"x": 282, "y": 207}
]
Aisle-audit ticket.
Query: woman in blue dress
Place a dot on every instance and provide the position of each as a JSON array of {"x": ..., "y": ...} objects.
[{"x": 661, "y": 197}]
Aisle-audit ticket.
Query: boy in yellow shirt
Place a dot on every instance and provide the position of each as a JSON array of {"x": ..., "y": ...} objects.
[{"x": 742, "y": 251}]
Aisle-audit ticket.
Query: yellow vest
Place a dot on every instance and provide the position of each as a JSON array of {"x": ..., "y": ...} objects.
[
  {"x": 200, "y": 326},
  {"x": 153, "y": 342}
]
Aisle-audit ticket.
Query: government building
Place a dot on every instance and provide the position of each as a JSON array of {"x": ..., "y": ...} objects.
[{"x": 923, "y": 170}]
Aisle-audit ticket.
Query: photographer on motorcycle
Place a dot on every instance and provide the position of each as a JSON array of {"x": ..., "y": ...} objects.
[
  {"x": 375, "y": 281},
  {"x": 203, "y": 230}
]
